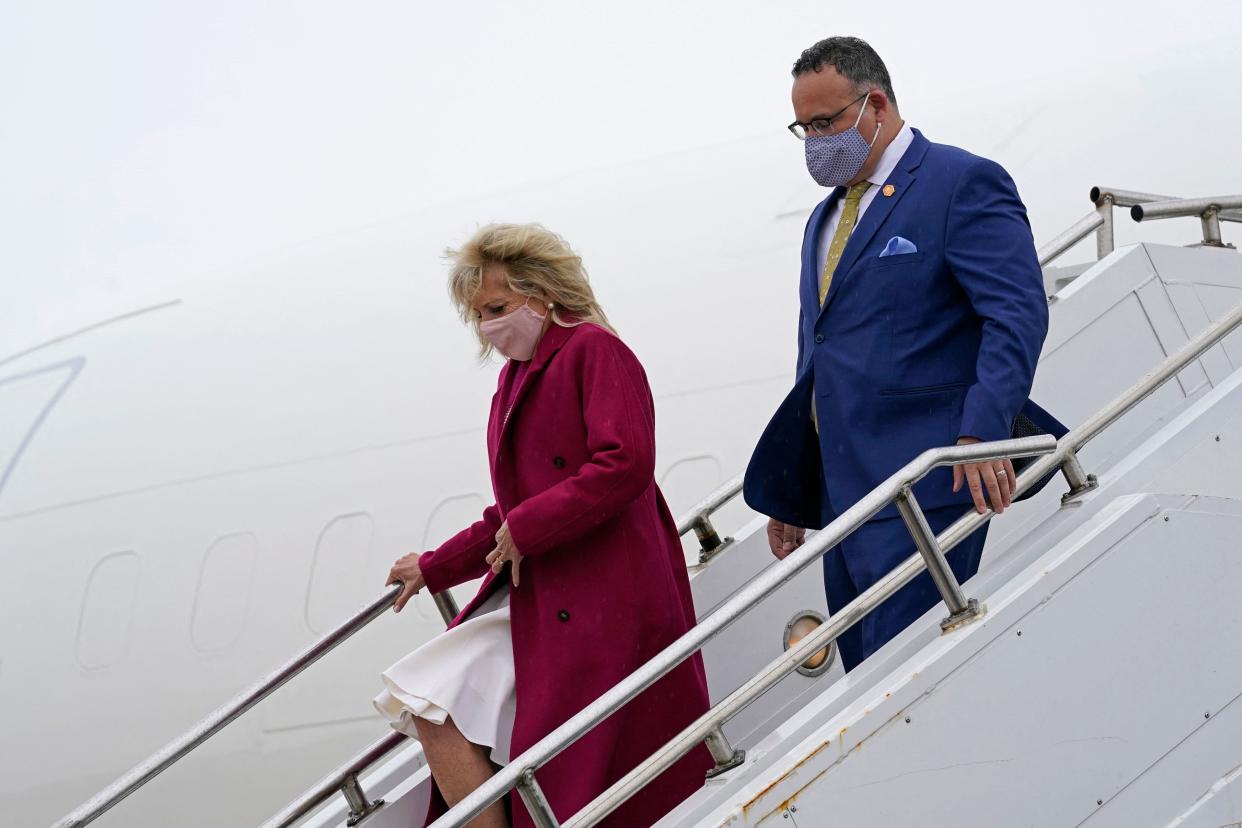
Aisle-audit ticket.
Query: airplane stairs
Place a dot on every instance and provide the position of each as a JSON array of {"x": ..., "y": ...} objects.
[{"x": 1103, "y": 685}]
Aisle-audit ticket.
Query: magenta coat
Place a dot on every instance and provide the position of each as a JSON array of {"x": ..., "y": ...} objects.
[{"x": 604, "y": 585}]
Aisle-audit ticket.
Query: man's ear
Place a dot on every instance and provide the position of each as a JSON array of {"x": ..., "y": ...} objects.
[{"x": 879, "y": 101}]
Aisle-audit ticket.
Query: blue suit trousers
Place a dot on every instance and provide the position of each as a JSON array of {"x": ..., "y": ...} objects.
[{"x": 868, "y": 555}]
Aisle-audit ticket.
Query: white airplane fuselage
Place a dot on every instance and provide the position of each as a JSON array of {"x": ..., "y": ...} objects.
[
  {"x": 202, "y": 485},
  {"x": 195, "y": 485}
]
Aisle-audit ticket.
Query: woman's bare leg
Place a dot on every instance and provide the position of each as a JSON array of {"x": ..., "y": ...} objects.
[{"x": 459, "y": 766}]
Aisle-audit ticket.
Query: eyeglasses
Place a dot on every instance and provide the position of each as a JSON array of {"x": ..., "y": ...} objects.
[{"x": 821, "y": 126}]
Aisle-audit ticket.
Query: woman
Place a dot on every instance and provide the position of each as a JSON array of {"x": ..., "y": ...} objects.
[{"x": 585, "y": 575}]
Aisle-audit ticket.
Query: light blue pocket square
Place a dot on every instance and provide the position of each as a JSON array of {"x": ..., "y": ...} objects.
[{"x": 898, "y": 246}]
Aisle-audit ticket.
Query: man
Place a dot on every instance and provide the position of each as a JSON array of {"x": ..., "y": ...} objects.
[{"x": 922, "y": 317}]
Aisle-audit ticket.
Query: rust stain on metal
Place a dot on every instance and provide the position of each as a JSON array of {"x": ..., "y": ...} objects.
[
  {"x": 794, "y": 797},
  {"x": 768, "y": 789},
  {"x": 788, "y": 803},
  {"x": 746, "y": 808}
]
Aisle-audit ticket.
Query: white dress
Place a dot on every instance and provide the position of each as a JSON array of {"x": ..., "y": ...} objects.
[{"x": 466, "y": 673}]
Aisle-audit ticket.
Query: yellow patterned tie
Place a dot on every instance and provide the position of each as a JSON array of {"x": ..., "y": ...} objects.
[{"x": 849, "y": 217}]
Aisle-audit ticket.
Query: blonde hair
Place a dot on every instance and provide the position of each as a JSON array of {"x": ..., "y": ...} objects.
[{"x": 539, "y": 263}]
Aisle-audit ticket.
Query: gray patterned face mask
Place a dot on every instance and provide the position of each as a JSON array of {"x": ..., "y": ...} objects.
[{"x": 834, "y": 160}]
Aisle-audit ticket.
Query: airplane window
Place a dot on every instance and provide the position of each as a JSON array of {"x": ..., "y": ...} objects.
[
  {"x": 689, "y": 480},
  {"x": 108, "y": 611},
  {"x": 222, "y": 600},
  {"x": 26, "y": 399},
  {"x": 340, "y": 580}
]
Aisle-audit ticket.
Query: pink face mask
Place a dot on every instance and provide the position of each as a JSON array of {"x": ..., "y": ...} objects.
[{"x": 515, "y": 334}]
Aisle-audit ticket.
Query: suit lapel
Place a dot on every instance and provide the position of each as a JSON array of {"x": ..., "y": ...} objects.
[
  {"x": 810, "y": 252},
  {"x": 876, "y": 214}
]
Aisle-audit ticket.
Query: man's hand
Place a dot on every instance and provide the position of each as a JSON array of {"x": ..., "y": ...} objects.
[
  {"x": 997, "y": 477},
  {"x": 506, "y": 550},
  {"x": 405, "y": 572},
  {"x": 784, "y": 538}
]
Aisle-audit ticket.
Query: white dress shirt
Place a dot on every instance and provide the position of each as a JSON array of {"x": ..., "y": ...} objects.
[{"x": 879, "y": 176}]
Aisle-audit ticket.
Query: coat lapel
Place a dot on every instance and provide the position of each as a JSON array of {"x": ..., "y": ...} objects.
[
  {"x": 552, "y": 341},
  {"x": 876, "y": 214}
]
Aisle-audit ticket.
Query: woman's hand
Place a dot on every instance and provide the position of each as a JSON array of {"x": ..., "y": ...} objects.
[
  {"x": 405, "y": 572},
  {"x": 505, "y": 551}
]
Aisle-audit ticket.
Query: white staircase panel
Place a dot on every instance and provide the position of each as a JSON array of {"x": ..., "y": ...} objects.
[
  {"x": 1116, "y": 626},
  {"x": 1076, "y": 711},
  {"x": 1088, "y": 673}
]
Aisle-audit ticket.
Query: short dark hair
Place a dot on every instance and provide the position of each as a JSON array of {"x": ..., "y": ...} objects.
[{"x": 853, "y": 57}]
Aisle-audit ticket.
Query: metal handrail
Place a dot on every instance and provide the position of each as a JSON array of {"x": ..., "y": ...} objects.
[
  {"x": 708, "y": 505},
  {"x": 1211, "y": 211},
  {"x": 207, "y": 727},
  {"x": 1064, "y": 456},
  {"x": 1073, "y": 442},
  {"x": 345, "y": 780},
  {"x": 1082, "y": 228},
  {"x": 1141, "y": 206},
  {"x": 1186, "y": 207},
  {"x": 698, "y": 519},
  {"x": 1131, "y": 199},
  {"x": 520, "y": 771}
]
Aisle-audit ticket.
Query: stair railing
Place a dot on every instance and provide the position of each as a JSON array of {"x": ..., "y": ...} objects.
[
  {"x": 345, "y": 779},
  {"x": 520, "y": 772},
  {"x": 1142, "y": 206},
  {"x": 1062, "y": 454},
  {"x": 213, "y": 723}
]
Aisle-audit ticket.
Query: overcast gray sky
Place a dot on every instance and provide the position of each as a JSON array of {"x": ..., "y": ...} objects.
[{"x": 142, "y": 139}]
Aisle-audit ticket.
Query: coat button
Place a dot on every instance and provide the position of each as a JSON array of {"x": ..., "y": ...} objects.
[
  {"x": 559, "y": 462},
  {"x": 563, "y": 615},
  {"x": 819, "y": 338}
]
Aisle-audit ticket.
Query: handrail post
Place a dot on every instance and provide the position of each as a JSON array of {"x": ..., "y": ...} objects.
[
  {"x": 709, "y": 539},
  {"x": 1210, "y": 219},
  {"x": 758, "y": 588},
  {"x": 447, "y": 605},
  {"x": 961, "y": 609},
  {"x": 336, "y": 782},
  {"x": 359, "y": 806},
  {"x": 700, "y": 520},
  {"x": 895, "y": 489},
  {"x": 536, "y": 803},
  {"x": 1104, "y": 243},
  {"x": 726, "y": 757},
  {"x": 1076, "y": 476}
]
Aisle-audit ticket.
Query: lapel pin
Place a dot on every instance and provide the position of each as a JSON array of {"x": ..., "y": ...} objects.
[{"x": 888, "y": 190}]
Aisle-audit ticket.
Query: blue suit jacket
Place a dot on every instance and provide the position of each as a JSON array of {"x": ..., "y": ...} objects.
[{"x": 910, "y": 351}]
